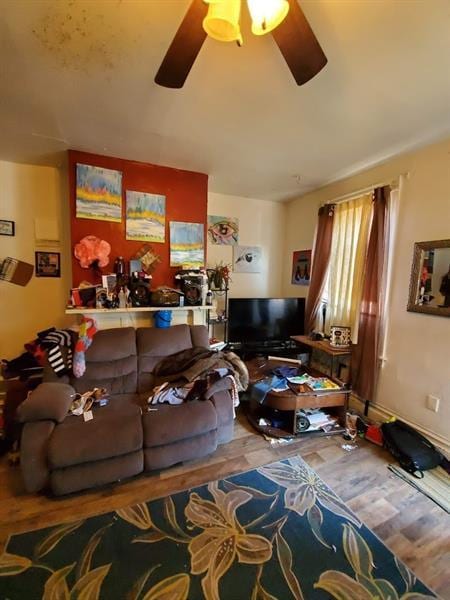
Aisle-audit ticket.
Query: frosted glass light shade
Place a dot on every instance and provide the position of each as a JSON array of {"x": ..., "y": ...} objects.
[
  {"x": 267, "y": 14},
  {"x": 222, "y": 20}
]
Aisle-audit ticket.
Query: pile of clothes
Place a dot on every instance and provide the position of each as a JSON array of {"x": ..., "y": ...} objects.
[
  {"x": 83, "y": 403},
  {"x": 48, "y": 344},
  {"x": 63, "y": 349},
  {"x": 197, "y": 374}
]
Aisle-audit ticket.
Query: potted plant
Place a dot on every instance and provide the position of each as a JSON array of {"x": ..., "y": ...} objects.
[{"x": 219, "y": 276}]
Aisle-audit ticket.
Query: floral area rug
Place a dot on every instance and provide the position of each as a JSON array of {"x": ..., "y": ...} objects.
[{"x": 277, "y": 532}]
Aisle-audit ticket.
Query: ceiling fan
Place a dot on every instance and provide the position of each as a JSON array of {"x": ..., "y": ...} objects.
[{"x": 219, "y": 19}]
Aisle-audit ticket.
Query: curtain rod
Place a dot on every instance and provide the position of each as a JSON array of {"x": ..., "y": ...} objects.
[{"x": 393, "y": 183}]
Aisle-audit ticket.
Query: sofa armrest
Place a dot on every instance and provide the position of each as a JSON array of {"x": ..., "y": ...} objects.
[
  {"x": 49, "y": 401},
  {"x": 33, "y": 455},
  {"x": 223, "y": 403}
]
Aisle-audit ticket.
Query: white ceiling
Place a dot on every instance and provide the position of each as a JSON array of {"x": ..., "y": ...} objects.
[{"x": 79, "y": 74}]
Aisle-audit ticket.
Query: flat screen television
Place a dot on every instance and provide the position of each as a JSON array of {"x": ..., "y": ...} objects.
[{"x": 260, "y": 320}]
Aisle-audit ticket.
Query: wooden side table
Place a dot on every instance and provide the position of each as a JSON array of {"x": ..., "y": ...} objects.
[{"x": 338, "y": 360}]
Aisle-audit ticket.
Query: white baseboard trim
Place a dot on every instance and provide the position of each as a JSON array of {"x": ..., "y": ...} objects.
[{"x": 379, "y": 413}]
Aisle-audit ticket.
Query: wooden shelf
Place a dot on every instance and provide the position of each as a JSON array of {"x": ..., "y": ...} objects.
[
  {"x": 323, "y": 345},
  {"x": 111, "y": 311},
  {"x": 278, "y": 432}
]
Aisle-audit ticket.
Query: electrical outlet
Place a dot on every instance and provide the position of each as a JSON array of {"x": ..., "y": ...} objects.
[{"x": 433, "y": 403}]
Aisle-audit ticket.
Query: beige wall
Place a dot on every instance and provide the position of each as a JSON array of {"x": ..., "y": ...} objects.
[
  {"x": 261, "y": 223},
  {"x": 27, "y": 192},
  {"x": 301, "y": 220},
  {"x": 418, "y": 345}
]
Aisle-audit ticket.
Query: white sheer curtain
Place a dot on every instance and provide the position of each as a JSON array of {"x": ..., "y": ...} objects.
[{"x": 343, "y": 288}]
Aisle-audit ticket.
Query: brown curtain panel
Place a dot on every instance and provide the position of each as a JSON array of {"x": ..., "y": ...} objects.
[
  {"x": 320, "y": 260},
  {"x": 365, "y": 352}
]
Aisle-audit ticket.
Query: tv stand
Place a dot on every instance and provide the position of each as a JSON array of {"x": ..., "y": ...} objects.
[{"x": 247, "y": 351}]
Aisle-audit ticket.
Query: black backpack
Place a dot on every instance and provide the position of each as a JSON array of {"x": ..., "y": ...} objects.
[{"x": 412, "y": 450}]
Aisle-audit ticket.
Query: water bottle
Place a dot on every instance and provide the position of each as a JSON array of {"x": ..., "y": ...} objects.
[{"x": 122, "y": 299}]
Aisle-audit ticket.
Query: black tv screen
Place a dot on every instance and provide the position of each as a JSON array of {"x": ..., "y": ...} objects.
[{"x": 259, "y": 320}]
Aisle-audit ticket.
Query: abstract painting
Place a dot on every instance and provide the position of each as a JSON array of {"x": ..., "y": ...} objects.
[
  {"x": 186, "y": 244},
  {"x": 223, "y": 231},
  {"x": 146, "y": 217},
  {"x": 98, "y": 194},
  {"x": 301, "y": 267},
  {"x": 247, "y": 259}
]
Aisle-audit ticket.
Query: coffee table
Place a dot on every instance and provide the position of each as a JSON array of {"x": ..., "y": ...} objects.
[{"x": 282, "y": 407}]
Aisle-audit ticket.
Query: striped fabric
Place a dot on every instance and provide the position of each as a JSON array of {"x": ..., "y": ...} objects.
[{"x": 53, "y": 342}]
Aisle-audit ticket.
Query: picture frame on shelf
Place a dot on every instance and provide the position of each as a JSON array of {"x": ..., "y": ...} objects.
[
  {"x": 47, "y": 264},
  {"x": 7, "y": 227},
  {"x": 340, "y": 336}
]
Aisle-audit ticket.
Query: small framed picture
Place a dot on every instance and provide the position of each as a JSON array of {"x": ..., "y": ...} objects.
[
  {"x": 340, "y": 336},
  {"x": 48, "y": 264},
  {"x": 7, "y": 227}
]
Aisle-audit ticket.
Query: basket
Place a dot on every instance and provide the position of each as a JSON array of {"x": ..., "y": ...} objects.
[{"x": 162, "y": 318}]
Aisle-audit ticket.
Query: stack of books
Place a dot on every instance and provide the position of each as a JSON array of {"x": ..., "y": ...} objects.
[
  {"x": 315, "y": 383},
  {"x": 320, "y": 420}
]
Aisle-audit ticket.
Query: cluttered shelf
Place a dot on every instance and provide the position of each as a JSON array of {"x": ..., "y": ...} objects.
[
  {"x": 286, "y": 400},
  {"x": 86, "y": 311},
  {"x": 284, "y": 430}
]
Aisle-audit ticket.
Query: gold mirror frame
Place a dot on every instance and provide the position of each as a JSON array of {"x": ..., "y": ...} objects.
[{"x": 413, "y": 306}]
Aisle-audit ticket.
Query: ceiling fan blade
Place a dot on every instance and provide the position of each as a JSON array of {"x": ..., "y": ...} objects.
[
  {"x": 299, "y": 45},
  {"x": 184, "y": 48}
]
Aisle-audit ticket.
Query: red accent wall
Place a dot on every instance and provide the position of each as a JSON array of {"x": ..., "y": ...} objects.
[{"x": 186, "y": 200}]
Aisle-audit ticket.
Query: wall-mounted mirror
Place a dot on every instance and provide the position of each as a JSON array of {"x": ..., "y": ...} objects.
[{"x": 429, "y": 288}]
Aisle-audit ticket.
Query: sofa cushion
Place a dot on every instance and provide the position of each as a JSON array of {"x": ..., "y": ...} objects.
[
  {"x": 153, "y": 344},
  {"x": 199, "y": 336},
  {"x": 160, "y": 457},
  {"x": 87, "y": 475},
  {"x": 116, "y": 429},
  {"x": 170, "y": 423},
  {"x": 111, "y": 362},
  {"x": 112, "y": 344}
]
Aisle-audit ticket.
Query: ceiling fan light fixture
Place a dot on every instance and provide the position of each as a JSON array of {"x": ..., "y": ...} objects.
[
  {"x": 267, "y": 14},
  {"x": 222, "y": 20}
]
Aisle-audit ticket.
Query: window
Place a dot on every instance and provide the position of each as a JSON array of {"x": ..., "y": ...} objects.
[{"x": 344, "y": 280}]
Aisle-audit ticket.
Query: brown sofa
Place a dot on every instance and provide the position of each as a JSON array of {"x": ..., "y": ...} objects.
[{"x": 67, "y": 453}]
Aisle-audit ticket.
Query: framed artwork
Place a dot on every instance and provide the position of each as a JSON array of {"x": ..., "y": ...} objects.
[
  {"x": 301, "y": 267},
  {"x": 340, "y": 336},
  {"x": 98, "y": 194},
  {"x": 247, "y": 259},
  {"x": 223, "y": 231},
  {"x": 187, "y": 245},
  {"x": 7, "y": 227},
  {"x": 145, "y": 217},
  {"x": 48, "y": 264}
]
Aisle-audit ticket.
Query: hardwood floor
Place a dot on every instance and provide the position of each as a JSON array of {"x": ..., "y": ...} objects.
[{"x": 413, "y": 526}]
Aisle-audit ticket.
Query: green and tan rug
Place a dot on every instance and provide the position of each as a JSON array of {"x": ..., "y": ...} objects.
[{"x": 277, "y": 532}]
